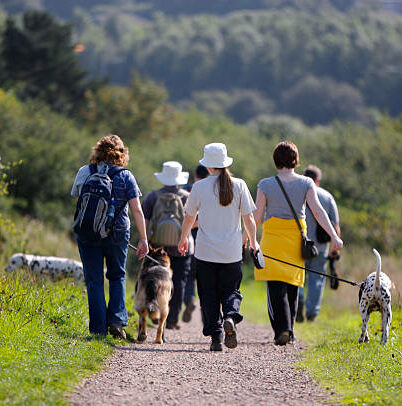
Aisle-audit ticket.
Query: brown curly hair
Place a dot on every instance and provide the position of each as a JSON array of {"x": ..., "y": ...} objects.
[{"x": 110, "y": 149}]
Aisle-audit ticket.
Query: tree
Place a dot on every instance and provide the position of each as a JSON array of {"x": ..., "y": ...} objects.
[{"x": 39, "y": 61}]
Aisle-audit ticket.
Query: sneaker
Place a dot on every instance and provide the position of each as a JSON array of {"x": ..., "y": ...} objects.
[
  {"x": 283, "y": 338},
  {"x": 216, "y": 343},
  {"x": 172, "y": 326},
  {"x": 190, "y": 307},
  {"x": 311, "y": 318},
  {"x": 117, "y": 331},
  {"x": 230, "y": 333}
]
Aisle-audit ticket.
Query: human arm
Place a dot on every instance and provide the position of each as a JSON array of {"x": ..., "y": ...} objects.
[
  {"x": 136, "y": 211},
  {"x": 188, "y": 222},
  {"x": 261, "y": 203},
  {"x": 251, "y": 230},
  {"x": 322, "y": 218}
]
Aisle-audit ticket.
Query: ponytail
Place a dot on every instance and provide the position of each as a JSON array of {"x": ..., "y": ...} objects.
[{"x": 225, "y": 186}]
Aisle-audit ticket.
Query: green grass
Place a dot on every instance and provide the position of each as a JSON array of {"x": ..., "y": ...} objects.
[
  {"x": 45, "y": 347},
  {"x": 361, "y": 374}
]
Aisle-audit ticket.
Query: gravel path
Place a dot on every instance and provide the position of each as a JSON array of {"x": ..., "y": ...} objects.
[{"x": 184, "y": 371}]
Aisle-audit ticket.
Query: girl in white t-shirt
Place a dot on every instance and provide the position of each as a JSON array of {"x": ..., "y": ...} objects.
[{"x": 220, "y": 201}]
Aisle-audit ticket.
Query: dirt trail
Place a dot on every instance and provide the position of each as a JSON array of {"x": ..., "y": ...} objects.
[{"x": 184, "y": 372}]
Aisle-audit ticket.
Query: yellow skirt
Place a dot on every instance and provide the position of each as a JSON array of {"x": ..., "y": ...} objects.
[{"x": 281, "y": 239}]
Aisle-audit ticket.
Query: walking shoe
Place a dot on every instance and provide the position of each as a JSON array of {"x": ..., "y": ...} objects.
[
  {"x": 230, "y": 333},
  {"x": 311, "y": 318},
  {"x": 172, "y": 326},
  {"x": 190, "y": 307},
  {"x": 216, "y": 343},
  {"x": 283, "y": 338},
  {"x": 117, "y": 331}
]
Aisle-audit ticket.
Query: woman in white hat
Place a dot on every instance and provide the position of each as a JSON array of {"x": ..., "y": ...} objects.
[
  {"x": 220, "y": 201},
  {"x": 164, "y": 213}
]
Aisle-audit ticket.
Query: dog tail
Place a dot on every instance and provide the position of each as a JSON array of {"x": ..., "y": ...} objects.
[
  {"x": 151, "y": 291},
  {"x": 378, "y": 270}
]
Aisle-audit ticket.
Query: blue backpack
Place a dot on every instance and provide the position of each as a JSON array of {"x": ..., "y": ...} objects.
[{"x": 95, "y": 213}]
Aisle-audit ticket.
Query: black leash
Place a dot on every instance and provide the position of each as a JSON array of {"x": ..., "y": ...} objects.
[
  {"x": 311, "y": 270},
  {"x": 135, "y": 249}
]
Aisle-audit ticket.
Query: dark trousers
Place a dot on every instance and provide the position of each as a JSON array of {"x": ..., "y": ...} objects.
[
  {"x": 218, "y": 289},
  {"x": 189, "y": 291},
  {"x": 282, "y": 305},
  {"x": 181, "y": 268}
]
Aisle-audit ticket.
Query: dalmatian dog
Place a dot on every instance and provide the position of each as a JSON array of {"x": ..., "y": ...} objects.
[
  {"x": 55, "y": 267},
  {"x": 374, "y": 295}
]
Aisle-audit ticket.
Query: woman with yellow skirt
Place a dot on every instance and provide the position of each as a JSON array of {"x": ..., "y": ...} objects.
[{"x": 281, "y": 237}]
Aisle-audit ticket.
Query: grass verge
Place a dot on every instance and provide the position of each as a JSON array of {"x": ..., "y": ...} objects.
[
  {"x": 362, "y": 374},
  {"x": 44, "y": 344},
  {"x": 359, "y": 374}
]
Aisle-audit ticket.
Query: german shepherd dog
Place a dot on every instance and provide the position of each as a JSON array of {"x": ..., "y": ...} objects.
[{"x": 152, "y": 293}]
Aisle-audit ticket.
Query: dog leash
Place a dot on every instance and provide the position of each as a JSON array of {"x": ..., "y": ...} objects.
[
  {"x": 311, "y": 270},
  {"x": 152, "y": 259}
]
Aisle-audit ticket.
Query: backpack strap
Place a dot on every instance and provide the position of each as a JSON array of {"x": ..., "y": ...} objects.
[
  {"x": 112, "y": 172},
  {"x": 92, "y": 168}
]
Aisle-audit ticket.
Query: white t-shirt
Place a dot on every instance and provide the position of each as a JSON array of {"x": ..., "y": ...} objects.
[{"x": 219, "y": 236}]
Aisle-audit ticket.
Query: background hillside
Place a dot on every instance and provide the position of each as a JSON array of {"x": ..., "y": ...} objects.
[
  {"x": 314, "y": 60},
  {"x": 326, "y": 75}
]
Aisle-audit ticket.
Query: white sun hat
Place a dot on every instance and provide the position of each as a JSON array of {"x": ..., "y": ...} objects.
[
  {"x": 172, "y": 174},
  {"x": 216, "y": 156}
]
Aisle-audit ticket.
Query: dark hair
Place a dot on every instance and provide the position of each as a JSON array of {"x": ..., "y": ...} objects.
[
  {"x": 201, "y": 172},
  {"x": 225, "y": 185},
  {"x": 312, "y": 172},
  {"x": 110, "y": 149},
  {"x": 286, "y": 155}
]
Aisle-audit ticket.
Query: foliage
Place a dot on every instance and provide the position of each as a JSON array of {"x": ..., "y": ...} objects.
[
  {"x": 239, "y": 104},
  {"x": 353, "y": 57},
  {"x": 11, "y": 237},
  {"x": 39, "y": 61},
  {"x": 51, "y": 150},
  {"x": 44, "y": 331},
  {"x": 319, "y": 101},
  {"x": 139, "y": 110}
]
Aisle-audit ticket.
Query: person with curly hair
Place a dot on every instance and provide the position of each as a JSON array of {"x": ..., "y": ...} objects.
[{"x": 111, "y": 155}]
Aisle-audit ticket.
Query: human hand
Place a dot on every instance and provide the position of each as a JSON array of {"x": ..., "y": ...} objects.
[
  {"x": 182, "y": 247},
  {"x": 337, "y": 243},
  {"x": 254, "y": 246},
  {"x": 142, "y": 249}
]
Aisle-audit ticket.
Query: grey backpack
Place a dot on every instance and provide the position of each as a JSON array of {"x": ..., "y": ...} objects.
[{"x": 164, "y": 227}]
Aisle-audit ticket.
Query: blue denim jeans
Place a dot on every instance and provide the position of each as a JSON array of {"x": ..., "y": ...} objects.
[
  {"x": 114, "y": 250},
  {"x": 315, "y": 285}
]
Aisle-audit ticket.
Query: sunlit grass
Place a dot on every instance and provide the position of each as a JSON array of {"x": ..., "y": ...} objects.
[
  {"x": 364, "y": 374},
  {"x": 45, "y": 346},
  {"x": 361, "y": 374}
]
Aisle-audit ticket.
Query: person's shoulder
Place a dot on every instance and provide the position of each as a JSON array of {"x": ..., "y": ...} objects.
[
  {"x": 324, "y": 193},
  {"x": 266, "y": 181},
  {"x": 83, "y": 169},
  {"x": 306, "y": 180}
]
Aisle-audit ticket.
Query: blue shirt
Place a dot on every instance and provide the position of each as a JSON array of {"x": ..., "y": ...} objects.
[{"x": 125, "y": 188}]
